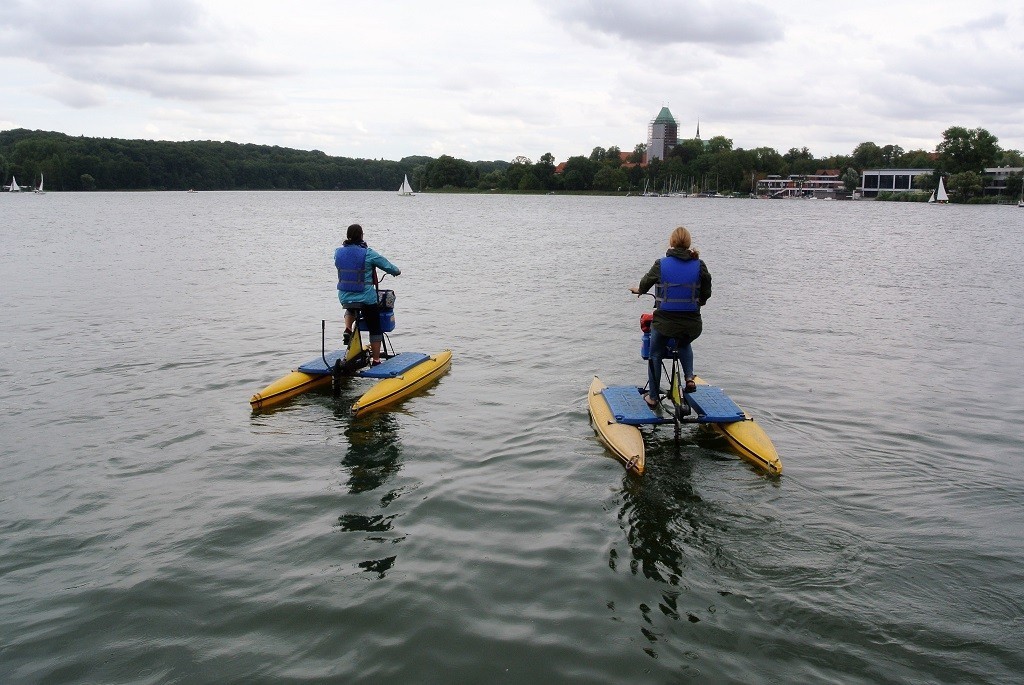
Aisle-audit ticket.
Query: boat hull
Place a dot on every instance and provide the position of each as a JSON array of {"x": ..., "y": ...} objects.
[
  {"x": 287, "y": 387},
  {"x": 750, "y": 442},
  {"x": 624, "y": 441},
  {"x": 391, "y": 390}
]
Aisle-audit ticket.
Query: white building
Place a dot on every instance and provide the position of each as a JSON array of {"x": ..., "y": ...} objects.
[
  {"x": 995, "y": 178},
  {"x": 824, "y": 184},
  {"x": 875, "y": 181}
]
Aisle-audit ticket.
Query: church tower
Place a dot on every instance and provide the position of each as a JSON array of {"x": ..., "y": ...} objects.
[{"x": 662, "y": 135}]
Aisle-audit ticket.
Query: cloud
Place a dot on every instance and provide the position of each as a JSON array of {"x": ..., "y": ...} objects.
[
  {"x": 162, "y": 48},
  {"x": 71, "y": 24},
  {"x": 725, "y": 24},
  {"x": 73, "y": 94}
]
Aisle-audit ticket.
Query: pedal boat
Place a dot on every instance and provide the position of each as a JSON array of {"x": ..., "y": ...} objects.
[
  {"x": 617, "y": 412},
  {"x": 398, "y": 377}
]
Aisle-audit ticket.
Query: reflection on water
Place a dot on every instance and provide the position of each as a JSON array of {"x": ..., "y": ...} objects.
[
  {"x": 372, "y": 458},
  {"x": 373, "y": 451},
  {"x": 669, "y": 528}
]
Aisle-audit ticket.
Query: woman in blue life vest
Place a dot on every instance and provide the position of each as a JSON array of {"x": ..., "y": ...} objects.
[
  {"x": 357, "y": 287},
  {"x": 683, "y": 285}
]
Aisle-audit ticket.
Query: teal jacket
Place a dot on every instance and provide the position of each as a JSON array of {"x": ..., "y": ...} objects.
[{"x": 369, "y": 294}]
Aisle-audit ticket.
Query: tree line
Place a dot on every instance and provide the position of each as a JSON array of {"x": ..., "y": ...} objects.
[{"x": 87, "y": 163}]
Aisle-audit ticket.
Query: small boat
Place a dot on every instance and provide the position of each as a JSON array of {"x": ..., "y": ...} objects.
[
  {"x": 39, "y": 190},
  {"x": 940, "y": 194},
  {"x": 398, "y": 376},
  {"x": 616, "y": 413},
  {"x": 1020, "y": 202},
  {"x": 405, "y": 189},
  {"x": 13, "y": 187}
]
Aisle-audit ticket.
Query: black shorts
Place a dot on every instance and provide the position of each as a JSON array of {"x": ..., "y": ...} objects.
[{"x": 371, "y": 315}]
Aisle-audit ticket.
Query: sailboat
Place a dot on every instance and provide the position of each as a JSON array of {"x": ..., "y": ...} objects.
[
  {"x": 1020, "y": 202},
  {"x": 940, "y": 194},
  {"x": 406, "y": 189},
  {"x": 39, "y": 190},
  {"x": 14, "y": 187}
]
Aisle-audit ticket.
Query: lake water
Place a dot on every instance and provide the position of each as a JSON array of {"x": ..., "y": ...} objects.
[{"x": 154, "y": 530}]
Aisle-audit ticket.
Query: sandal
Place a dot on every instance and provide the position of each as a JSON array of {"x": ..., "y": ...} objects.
[
  {"x": 651, "y": 404},
  {"x": 691, "y": 385}
]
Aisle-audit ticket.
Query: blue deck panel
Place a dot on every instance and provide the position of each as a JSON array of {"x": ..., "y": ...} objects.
[
  {"x": 389, "y": 368},
  {"x": 395, "y": 366},
  {"x": 315, "y": 367},
  {"x": 628, "y": 406},
  {"x": 713, "y": 405}
]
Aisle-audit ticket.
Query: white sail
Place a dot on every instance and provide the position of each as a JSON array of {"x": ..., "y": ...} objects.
[
  {"x": 932, "y": 198},
  {"x": 940, "y": 194},
  {"x": 40, "y": 188},
  {"x": 406, "y": 189},
  {"x": 14, "y": 188}
]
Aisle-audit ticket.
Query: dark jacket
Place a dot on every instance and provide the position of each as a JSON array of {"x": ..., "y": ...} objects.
[{"x": 686, "y": 325}]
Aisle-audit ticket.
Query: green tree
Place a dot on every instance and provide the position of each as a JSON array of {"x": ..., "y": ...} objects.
[
  {"x": 687, "y": 151},
  {"x": 544, "y": 170},
  {"x": 768, "y": 160},
  {"x": 868, "y": 156},
  {"x": 800, "y": 161},
  {"x": 1015, "y": 185},
  {"x": 514, "y": 174},
  {"x": 967, "y": 150},
  {"x": 610, "y": 178},
  {"x": 529, "y": 181},
  {"x": 490, "y": 180},
  {"x": 447, "y": 171},
  {"x": 638, "y": 153},
  {"x": 579, "y": 173},
  {"x": 965, "y": 185},
  {"x": 720, "y": 144},
  {"x": 891, "y": 155},
  {"x": 851, "y": 179},
  {"x": 1012, "y": 158},
  {"x": 916, "y": 159}
]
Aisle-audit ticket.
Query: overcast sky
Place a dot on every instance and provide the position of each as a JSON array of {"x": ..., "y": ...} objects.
[{"x": 485, "y": 80}]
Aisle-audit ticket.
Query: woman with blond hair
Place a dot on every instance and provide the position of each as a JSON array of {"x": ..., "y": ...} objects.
[{"x": 683, "y": 285}]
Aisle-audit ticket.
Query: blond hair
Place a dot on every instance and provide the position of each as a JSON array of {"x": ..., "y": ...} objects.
[{"x": 680, "y": 239}]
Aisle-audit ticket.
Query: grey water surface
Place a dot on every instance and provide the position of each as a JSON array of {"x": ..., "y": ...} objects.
[{"x": 154, "y": 530}]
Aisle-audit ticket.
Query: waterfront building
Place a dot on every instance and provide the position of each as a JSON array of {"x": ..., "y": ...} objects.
[
  {"x": 875, "y": 181},
  {"x": 995, "y": 178},
  {"x": 662, "y": 135},
  {"x": 823, "y": 184}
]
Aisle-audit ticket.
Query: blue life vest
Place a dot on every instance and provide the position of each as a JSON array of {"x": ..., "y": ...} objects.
[
  {"x": 679, "y": 289},
  {"x": 351, "y": 263}
]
